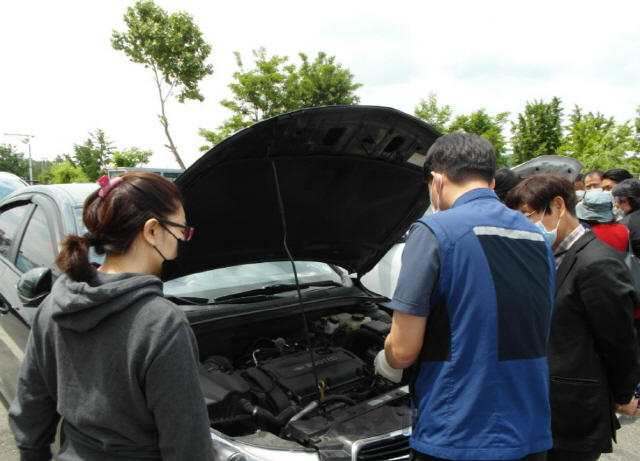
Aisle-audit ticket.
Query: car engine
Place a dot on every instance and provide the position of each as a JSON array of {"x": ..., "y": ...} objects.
[{"x": 277, "y": 387}]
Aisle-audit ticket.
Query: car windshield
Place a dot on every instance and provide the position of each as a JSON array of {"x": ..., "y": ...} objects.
[
  {"x": 237, "y": 279},
  {"x": 9, "y": 185}
]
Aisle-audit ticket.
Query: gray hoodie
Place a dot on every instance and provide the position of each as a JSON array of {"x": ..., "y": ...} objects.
[{"x": 118, "y": 363}]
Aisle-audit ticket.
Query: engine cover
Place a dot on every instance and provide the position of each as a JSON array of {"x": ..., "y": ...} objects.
[{"x": 337, "y": 368}]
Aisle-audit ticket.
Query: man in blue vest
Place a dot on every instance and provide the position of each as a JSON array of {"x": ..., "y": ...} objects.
[{"x": 472, "y": 310}]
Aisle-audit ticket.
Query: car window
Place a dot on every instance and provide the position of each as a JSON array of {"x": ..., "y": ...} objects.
[
  {"x": 36, "y": 249},
  {"x": 9, "y": 185},
  {"x": 10, "y": 220}
]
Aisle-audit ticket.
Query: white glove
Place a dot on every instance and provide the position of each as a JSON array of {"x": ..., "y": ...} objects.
[{"x": 385, "y": 370}]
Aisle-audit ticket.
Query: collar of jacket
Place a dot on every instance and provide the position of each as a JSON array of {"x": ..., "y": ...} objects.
[{"x": 571, "y": 257}]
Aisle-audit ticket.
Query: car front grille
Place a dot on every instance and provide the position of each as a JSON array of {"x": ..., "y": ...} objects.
[{"x": 396, "y": 449}]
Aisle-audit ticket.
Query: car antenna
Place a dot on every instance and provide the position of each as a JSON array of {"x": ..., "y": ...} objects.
[{"x": 317, "y": 385}]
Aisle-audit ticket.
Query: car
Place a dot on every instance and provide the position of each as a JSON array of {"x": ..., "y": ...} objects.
[
  {"x": 289, "y": 214},
  {"x": 10, "y": 182}
]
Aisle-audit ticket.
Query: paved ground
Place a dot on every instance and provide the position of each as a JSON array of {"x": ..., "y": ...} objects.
[{"x": 627, "y": 449}]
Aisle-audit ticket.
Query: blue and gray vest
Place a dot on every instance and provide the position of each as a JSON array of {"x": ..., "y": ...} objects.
[{"x": 482, "y": 389}]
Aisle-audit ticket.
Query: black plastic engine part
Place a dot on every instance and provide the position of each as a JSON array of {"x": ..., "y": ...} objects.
[
  {"x": 338, "y": 370},
  {"x": 222, "y": 394}
]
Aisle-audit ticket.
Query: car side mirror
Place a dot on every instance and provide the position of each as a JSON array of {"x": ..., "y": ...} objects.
[{"x": 34, "y": 286}]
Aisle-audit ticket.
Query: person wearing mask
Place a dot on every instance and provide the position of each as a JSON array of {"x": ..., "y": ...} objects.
[
  {"x": 107, "y": 352},
  {"x": 479, "y": 386},
  {"x": 613, "y": 177},
  {"x": 596, "y": 209},
  {"x": 593, "y": 179},
  {"x": 578, "y": 186},
  {"x": 593, "y": 348},
  {"x": 626, "y": 199}
]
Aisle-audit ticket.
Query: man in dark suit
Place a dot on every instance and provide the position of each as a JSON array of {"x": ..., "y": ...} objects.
[{"x": 593, "y": 349}]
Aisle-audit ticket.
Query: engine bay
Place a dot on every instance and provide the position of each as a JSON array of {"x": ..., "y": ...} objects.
[{"x": 301, "y": 387}]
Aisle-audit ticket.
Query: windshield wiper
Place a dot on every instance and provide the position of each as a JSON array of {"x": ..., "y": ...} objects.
[
  {"x": 275, "y": 288},
  {"x": 190, "y": 300}
]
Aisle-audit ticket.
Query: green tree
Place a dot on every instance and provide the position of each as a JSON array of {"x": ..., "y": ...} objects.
[
  {"x": 65, "y": 173},
  {"x": 131, "y": 157},
  {"x": 429, "y": 111},
  {"x": 538, "y": 131},
  {"x": 598, "y": 142},
  {"x": 487, "y": 126},
  {"x": 171, "y": 45},
  {"x": 93, "y": 155},
  {"x": 273, "y": 87},
  {"x": 479, "y": 122},
  {"x": 13, "y": 161}
]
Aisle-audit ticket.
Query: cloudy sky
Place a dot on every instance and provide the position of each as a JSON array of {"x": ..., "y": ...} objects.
[{"x": 60, "y": 79}]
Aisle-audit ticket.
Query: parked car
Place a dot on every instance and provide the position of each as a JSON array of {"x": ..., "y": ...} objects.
[
  {"x": 289, "y": 214},
  {"x": 10, "y": 182}
]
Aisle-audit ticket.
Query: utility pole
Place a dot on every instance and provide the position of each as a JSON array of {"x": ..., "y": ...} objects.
[{"x": 26, "y": 139}]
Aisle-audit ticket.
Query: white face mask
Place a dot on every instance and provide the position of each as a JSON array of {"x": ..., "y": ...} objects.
[
  {"x": 580, "y": 195},
  {"x": 436, "y": 176}
]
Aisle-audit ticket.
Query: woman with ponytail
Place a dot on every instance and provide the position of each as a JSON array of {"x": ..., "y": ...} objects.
[{"x": 107, "y": 352}]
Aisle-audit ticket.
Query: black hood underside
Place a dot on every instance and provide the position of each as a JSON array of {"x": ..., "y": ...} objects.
[{"x": 339, "y": 184}]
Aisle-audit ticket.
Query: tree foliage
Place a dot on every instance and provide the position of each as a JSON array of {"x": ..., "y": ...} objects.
[
  {"x": 273, "y": 87},
  {"x": 93, "y": 156},
  {"x": 538, "y": 131},
  {"x": 598, "y": 142},
  {"x": 171, "y": 45},
  {"x": 13, "y": 161},
  {"x": 437, "y": 117},
  {"x": 131, "y": 157},
  {"x": 66, "y": 172},
  {"x": 478, "y": 122}
]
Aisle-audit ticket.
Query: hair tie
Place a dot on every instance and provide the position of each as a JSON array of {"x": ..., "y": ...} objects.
[{"x": 106, "y": 185}]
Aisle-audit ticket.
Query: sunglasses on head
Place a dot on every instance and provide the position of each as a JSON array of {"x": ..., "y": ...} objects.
[{"x": 187, "y": 231}]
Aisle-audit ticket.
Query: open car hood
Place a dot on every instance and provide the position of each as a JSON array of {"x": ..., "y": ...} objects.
[
  {"x": 349, "y": 180},
  {"x": 567, "y": 167}
]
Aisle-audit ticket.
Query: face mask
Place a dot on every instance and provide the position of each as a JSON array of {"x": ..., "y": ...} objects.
[
  {"x": 580, "y": 195},
  {"x": 619, "y": 214},
  {"x": 549, "y": 236},
  {"x": 169, "y": 266},
  {"x": 436, "y": 208}
]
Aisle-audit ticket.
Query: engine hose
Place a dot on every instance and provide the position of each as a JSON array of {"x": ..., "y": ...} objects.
[{"x": 265, "y": 416}]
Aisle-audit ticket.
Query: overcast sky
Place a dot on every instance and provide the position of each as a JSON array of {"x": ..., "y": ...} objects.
[{"x": 60, "y": 79}]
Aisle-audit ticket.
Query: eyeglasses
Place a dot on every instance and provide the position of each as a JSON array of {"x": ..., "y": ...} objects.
[
  {"x": 187, "y": 231},
  {"x": 529, "y": 215}
]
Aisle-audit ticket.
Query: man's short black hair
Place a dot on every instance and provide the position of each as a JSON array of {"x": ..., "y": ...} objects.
[
  {"x": 617, "y": 175},
  {"x": 462, "y": 157}
]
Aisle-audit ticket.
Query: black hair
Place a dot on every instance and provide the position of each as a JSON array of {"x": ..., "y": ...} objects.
[
  {"x": 617, "y": 175},
  {"x": 579, "y": 178},
  {"x": 628, "y": 190},
  {"x": 538, "y": 191},
  {"x": 462, "y": 157},
  {"x": 114, "y": 221},
  {"x": 505, "y": 179}
]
